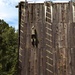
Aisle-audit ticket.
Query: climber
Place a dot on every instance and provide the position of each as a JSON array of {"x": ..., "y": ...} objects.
[{"x": 34, "y": 36}]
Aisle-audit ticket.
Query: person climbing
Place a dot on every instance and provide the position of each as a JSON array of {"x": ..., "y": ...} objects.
[{"x": 34, "y": 36}]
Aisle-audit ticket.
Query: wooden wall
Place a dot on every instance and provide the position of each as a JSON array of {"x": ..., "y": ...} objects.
[{"x": 55, "y": 29}]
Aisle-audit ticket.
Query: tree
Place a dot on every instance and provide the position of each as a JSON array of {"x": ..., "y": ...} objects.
[{"x": 8, "y": 49}]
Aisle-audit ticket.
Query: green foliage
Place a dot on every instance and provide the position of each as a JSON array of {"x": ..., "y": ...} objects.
[{"x": 8, "y": 49}]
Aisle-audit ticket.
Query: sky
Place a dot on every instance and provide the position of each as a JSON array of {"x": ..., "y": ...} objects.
[{"x": 9, "y": 13}]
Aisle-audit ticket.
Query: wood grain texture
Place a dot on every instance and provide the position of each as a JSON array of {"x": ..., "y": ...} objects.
[{"x": 55, "y": 27}]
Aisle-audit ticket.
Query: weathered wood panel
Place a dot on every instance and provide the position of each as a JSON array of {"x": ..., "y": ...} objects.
[{"x": 55, "y": 32}]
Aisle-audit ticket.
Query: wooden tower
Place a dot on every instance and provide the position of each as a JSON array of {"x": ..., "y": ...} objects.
[{"x": 46, "y": 38}]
